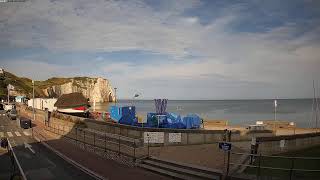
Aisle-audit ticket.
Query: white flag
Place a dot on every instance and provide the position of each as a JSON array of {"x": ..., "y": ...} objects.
[
  {"x": 275, "y": 103},
  {"x": 10, "y": 87}
]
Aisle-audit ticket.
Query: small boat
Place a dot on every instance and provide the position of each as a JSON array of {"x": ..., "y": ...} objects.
[{"x": 73, "y": 103}]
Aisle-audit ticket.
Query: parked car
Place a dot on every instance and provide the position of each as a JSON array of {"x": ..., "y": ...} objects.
[
  {"x": 2, "y": 112},
  {"x": 12, "y": 114},
  {"x": 9, "y": 107},
  {"x": 25, "y": 123}
]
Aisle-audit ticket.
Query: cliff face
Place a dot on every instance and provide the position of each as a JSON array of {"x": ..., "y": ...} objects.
[{"x": 96, "y": 89}]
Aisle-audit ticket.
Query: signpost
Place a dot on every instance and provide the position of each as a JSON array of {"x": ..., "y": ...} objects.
[{"x": 225, "y": 146}]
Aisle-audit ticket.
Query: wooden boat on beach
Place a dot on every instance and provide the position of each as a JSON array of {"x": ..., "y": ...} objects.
[{"x": 73, "y": 103}]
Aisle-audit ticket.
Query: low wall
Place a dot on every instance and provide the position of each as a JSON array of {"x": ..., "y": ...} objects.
[{"x": 187, "y": 136}]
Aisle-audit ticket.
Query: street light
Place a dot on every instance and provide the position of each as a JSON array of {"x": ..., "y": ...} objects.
[
  {"x": 34, "y": 115},
  {"x": 115, "y": 96}
]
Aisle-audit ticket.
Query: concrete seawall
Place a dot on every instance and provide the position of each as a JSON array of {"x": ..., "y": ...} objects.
[{"x": 267, "y": 145}]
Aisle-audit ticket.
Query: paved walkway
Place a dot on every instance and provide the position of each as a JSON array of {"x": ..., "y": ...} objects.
[{"x": 104, "y": 167}]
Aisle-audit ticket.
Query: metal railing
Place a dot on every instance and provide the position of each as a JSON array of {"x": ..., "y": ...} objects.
[
  {"x": 274, "y": 167},
  {"x": 98, "y": 140},
  {"x": 15, "y": 164}
]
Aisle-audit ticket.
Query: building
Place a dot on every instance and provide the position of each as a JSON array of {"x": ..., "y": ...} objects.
[{"x": 20, "y": 99}]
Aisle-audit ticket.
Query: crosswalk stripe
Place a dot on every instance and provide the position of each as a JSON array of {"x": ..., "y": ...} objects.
[
  {"x": 1, "y": 134},
  {"x": 10, "y": 134},
  {"x": 17, "y": 133},
  {"x": 26, "y": 133}
]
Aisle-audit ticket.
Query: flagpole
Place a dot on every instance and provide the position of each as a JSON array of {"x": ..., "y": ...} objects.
[
  {"x": 275, "y": 116},
  {"x": 275, "y": 110}
]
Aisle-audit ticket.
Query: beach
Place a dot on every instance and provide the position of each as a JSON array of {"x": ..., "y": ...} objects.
[{"x": 236, "y": 112}]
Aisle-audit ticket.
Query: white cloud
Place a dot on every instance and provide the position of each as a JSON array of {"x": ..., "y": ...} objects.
[{"x": 276, "y": 58}]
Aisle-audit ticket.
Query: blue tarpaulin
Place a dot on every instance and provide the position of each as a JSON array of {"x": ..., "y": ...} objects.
[
  {"x": 115, "y": 113},
  {"x": 192, "y": 121},
  {"x": 123, "y": 115}
]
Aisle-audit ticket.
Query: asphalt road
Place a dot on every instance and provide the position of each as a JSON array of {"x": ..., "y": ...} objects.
[{"x": 37, "y": 161}]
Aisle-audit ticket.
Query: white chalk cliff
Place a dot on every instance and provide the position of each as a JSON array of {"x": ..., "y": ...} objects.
[{"x": 96, "y": 89}]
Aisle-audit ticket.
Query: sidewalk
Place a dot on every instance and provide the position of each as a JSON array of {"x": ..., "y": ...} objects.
[{"x": 104, "y": 167}]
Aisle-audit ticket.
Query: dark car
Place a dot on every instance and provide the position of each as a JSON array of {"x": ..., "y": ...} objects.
[
  {"x": 2, "y": 112},
  {"x": 12, "y": 114},
  {"x": 25, "y": 123}
]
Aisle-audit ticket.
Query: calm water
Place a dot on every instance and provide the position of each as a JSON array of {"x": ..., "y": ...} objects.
[{"x": 238, "y": 112}]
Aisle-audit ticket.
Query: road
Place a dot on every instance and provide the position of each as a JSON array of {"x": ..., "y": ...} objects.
[{"x": 36, "y": 160}]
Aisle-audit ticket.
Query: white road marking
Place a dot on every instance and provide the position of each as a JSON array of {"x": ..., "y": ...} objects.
[
  {"x": 26, "y": 133},
  {"x": 10, "y": 134},
  {"x": 1, "y": 134},
  {"x": 26, "y": 145},
  {"x": 17, "y": 133}
]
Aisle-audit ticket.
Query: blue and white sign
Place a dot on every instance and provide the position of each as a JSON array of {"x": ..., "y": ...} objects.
[{"x": 225, "y": 146}]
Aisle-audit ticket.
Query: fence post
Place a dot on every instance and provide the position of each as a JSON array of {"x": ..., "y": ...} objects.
[
  {"x": 94, "y": 141},
  {"x": 119, "y": 144},
  {"x": 291, "y": 169},
  {"x": 84, "y": 138},
  {"x": 148, "y": 145},
  {"x": 228, "y": 165},
  {"x": 259, "y": 167},
  {"x": 134, "y": 151},
  {"x": 76, "y": 135},
  {"x": 105, "y": 142}
]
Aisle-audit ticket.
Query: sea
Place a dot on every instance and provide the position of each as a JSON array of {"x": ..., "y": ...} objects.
[{"x": 237, "y": 112}]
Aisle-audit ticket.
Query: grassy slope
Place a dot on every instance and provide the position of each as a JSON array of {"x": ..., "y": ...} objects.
[{"x": 24, "y": 85}]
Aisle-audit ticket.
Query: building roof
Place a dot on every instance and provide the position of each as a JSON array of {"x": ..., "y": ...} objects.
[{"x": 71, "y": 100}]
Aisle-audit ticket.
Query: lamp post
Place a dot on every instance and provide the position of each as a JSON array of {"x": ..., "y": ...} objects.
[
  {"x": 115, "y": 96},
  {"x": 275, "y": 115},
  {"x": 8, "y": 95},
  {"x": 34, "y": 115}
]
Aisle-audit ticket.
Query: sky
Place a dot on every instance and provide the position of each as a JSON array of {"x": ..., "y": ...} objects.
[{"x": 175, "y": 49}]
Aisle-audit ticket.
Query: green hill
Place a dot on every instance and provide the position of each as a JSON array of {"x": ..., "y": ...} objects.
[{"x": 23, "y": 86}]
